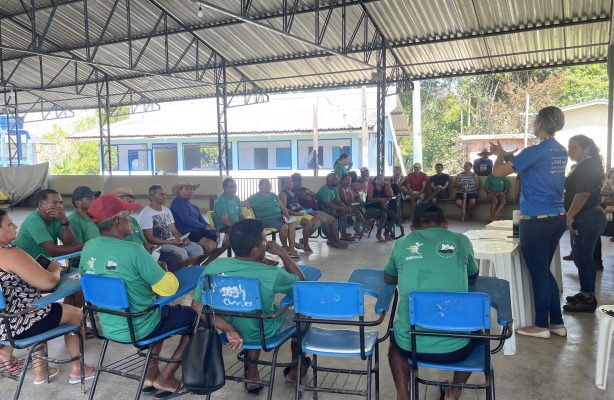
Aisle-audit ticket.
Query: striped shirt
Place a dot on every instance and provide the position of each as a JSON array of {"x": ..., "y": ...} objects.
[{"x": 468, "y": 181}]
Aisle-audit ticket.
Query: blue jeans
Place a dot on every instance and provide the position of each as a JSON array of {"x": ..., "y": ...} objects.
[
  {"x": 538, "y": 241},
  {"x": 588, "y": 226}
]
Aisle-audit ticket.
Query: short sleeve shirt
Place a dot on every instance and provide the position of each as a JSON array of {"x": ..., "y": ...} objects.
[
  {"x": 587, "y": 177},
  {"x": 482, "y": 167},
  {"x": 228, "y": 207},
  {"x": 497, "y": 184},
  {"x": 265, "y": 207},
  {"x": 158, "y": 221},
  {"x": 432, "y": 259},
  {"x": 340, "y": 170},
  {"x": 326, "y": 194},
  {"x": 440, "y": 180},
  {"x": 83, "y": 228},
  {"x": 272, "y": 280},
  {"x": 131, "y": 263},
  {"x": 542, "y": 171},
  {"x": 34, "y": 231},
  {"x": 137, "y": 235},
  {"x": 414, "y": 180}
]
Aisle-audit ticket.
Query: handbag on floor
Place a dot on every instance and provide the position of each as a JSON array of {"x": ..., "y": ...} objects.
[{"x": 202, "y": 363}]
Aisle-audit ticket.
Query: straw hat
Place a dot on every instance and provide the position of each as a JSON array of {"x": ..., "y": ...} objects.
[
  {"x": 183, "y": 184},
  {"x": 124, "y": 191},
  {"x": 484, "y": 151}
]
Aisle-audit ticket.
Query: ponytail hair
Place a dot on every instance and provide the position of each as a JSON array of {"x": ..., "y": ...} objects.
[{"x": 587, "y": 143}]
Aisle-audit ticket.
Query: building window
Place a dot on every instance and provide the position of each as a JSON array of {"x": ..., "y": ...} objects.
[
  {"x": 329, "y": 151},
  {"x": 130, "y": 157},
  {"x": 165, "y": 159},
  {"x": 203, "y": 157},
  {"x": 265, "y": 155}
]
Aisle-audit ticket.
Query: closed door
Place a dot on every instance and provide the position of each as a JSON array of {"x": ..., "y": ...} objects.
[{"x": 261, "y": 158}]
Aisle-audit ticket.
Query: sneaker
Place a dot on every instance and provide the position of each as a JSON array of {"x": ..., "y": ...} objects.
[
  {"x": 574, "y": 298},
  {"x": 568, "y": 258},
  {"x": 583, "y": 305}
]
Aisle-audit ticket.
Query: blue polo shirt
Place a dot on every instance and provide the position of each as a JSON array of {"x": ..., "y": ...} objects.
[{"x": 542, "y": 171}]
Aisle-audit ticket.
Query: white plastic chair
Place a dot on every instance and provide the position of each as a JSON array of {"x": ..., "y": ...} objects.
[{"x": 606, "y": 329}]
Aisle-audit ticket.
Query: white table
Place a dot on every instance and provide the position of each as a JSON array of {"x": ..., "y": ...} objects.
[
  {"x": 504, "y": 256},
  {"x": 555, "y": 266}
]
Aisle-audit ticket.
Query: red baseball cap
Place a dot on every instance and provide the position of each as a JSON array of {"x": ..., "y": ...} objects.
[{"x": 109, "y": 205}]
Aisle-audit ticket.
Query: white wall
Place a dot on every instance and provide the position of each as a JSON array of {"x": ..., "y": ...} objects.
[
  {"x": 246, "y": 153},
  {"x": 591, "y": 121}
]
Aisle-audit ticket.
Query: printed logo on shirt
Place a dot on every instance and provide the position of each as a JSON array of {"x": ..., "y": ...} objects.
[
  {"x": 111, "y": 264},
  {"x": 446, "y": 249},
  {"x": 89, "y": 266},
  {"x": 414, "y": 250}
]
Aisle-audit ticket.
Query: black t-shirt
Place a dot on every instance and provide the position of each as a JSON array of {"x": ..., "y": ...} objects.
[
  {"x": 586, "y": 177},
  {"x": 440, "y": 180}
]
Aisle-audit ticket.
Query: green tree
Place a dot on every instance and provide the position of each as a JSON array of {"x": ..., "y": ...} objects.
[
  {"x": 68, "y": 157},
  {"x": 584, "y": 83}
]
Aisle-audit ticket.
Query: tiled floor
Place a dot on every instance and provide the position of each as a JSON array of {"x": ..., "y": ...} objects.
[{"x": 557, "y": 368}]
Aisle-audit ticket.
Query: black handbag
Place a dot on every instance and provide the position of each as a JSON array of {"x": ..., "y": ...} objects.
[{"x": 202, "y": 362}]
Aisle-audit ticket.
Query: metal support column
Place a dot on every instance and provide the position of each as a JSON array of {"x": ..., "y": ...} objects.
[
  {"x": 608, "y": 162},
  {"x": 104, "y": 125},
  {"x": 222, "y": 121},
  {"x": 11, "y": 109},
  {"x": 381, "y": 111}
]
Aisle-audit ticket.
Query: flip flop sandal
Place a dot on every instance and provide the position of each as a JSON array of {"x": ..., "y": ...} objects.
[
  {"x": 165, "y": 394},
  {"x": 52, "y": 375},
  {"x": 12, "y": 366},
  {"x": 255, "y": 389},
  {"x": 74, "y": 381},
  {"x": 304, "y": 369},
  {"x": 149, "y": 390}
]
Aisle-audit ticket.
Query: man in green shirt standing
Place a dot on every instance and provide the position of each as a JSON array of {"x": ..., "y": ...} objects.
[
  {"x": 40, "y": 231},
  {"x": 227, "y": 207},
  {"x": 431, "y": 258},
  {"x": 331, "y": 206},
  {"x": 82, "y": 226},
  {"x": 110, "y": 255},
  {"x": 496, "y": 189}
]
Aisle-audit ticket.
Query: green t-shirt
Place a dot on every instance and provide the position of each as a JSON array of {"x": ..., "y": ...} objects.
[
  {"x": 225, "y": 206},
  {"x": 432, "y": 259},
  {"x": 272, "y": 280},
  {"x": 265, "y": 207},
  {"x": 137, "y": 235},
  {"x": 326, "y": 194},
  {"x": 340, "y": 170},
  {"x": 497, "y": 184},
  {"x": 131, "y": 263},
  {"x": 83, "y": 228},
  {"x": 34, "y": 231}
]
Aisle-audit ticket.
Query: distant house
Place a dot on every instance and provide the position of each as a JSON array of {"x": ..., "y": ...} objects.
[
  {"x": 474, "y": 144},
  {"x": 265, "y": 139},
  {"x": 22, "y": 146}
]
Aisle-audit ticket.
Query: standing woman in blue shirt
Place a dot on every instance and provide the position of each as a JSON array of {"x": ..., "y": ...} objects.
[
  {"x": 543, "y": 221},
  {"x": 586, "y": 219}
]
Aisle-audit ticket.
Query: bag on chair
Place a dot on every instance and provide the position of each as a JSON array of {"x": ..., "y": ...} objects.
[{"x": 202, "y": 362}]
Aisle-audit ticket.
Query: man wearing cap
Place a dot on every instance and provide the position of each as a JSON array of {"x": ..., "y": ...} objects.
[
  {"x": 331, "y": 209},
  {"x": 434, "y": 259},
  {"x": 483, "y": 165},
  {"x": 110, "y": 255},
  {"x": 188, "y": 219},
  {"x": 158, "y": 225},
  {"x": 414, "y": 185},
  {"x": 82, "y": 226},
  {"x": 40, "y": 231}
]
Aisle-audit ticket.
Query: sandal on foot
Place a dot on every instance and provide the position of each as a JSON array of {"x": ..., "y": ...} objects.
[
  {"x": 53, "y": 372},
  {"x": 164, "y": 394},
  {"x": 73, "y": 381},
  {"x": 149, "y": 390},
  {"x": 255, "y": 388},
  {"x": 304, "y": 369}
]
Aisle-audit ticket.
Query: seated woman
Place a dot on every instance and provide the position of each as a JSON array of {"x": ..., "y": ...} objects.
[
  {"x": 21, "y": 278},
  {"x": 468, "y": 182},
  {"x": 269, "y": 210},
  {"x": 347, "y": 197},
  {"x": 382, "y": 192},
  {"x": 289, "y": 201}
]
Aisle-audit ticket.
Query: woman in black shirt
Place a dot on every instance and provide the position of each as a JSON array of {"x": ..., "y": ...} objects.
[{"x": 585, "y": 217}]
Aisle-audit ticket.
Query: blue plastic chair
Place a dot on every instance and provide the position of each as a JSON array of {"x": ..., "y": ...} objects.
[
  {"x": 335, "y": 303},
  {"x": 37, "y": 342},
  {"x": 453, "y": 315},
  {"x": 240, "y": 297},
  {"x": 108, "y": 295}
]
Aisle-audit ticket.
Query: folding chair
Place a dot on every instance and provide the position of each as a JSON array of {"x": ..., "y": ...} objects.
[
  {"x": 107, "y": 295},
  {"x": 240, "y": 297},
  {"x": 211, "y": 219},
  {"x": 453, "y": 315},
  {"x": 336, "y": 303},
  {"x": 35, "y": 343}
]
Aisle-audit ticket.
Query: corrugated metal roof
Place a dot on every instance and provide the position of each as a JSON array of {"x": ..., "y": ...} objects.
[{"x": 427, "y": 39}]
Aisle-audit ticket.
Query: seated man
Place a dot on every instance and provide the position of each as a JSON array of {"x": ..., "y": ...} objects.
[
  {"x": 111, "y": 255},
  {"x": 414, "y": 185},
  {"x": 188, "y": 219},
  {"x": 309, "y": 223},
  {"x": 227, "y": 207},
  {"x": 80, "y": 222},
  {"x": 483, "y": 166},
  {"x": 496, "y": 189},
  {"x": 419, "y": 262},
  {"x": 159, "y": 228},
  {"x": 40, "y": 231},
  {"x": 439, "y": 185},
  {"x": 306, "y": 197},
  {"x": 346, "y": 195},
  {"x": 362, "y": 184},
  {"x": 331, "y": 206},
  {"x": 249, "y": 245},
  {"x": 269, "y": 210}
]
